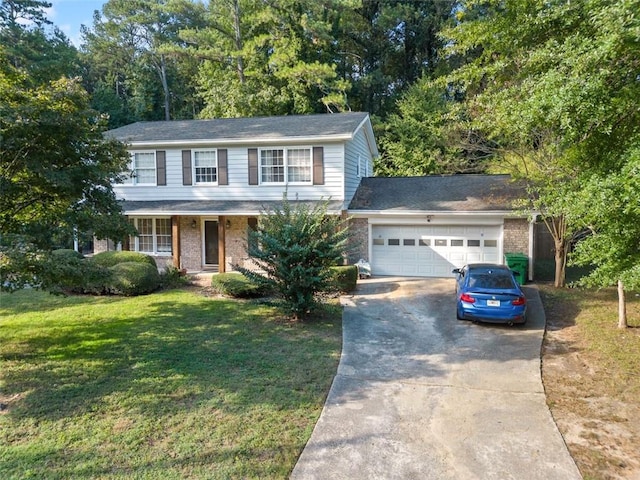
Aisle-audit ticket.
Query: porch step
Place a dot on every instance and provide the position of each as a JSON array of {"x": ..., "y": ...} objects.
[{"x": 202, "y": 278}]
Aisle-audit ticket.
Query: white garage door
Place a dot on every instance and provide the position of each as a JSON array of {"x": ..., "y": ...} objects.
[{"x": 432, "y": 251}]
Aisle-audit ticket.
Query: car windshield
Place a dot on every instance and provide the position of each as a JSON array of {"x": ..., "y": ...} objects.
[{"x": 491, "y": 280}]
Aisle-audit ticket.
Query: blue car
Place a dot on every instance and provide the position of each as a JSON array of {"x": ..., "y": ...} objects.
[{"x": 489, "y": 292}]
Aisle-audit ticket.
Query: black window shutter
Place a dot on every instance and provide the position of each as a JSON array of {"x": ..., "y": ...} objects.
[
  {"x": 223, "y": 178},
  {"x": 161, "y": 167},
  {"x": 186, "y": 167},
  {"x": 318, "y": 165},
  {"x": 253, "y": 166}
]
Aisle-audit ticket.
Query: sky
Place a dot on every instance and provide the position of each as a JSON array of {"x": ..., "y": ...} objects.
[{"x": 68, "y": 15}]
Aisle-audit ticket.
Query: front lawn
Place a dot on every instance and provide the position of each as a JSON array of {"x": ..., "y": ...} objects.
[
  {"x": 172, "y": 385},
  {"x": 591, "y": 372}
]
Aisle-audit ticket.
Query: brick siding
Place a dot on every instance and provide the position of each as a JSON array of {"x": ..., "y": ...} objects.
[
  {"x": 516, "y": 235},
  {"x": 191, "y": 244},
  {"x": 358, "y": 240},
  {"x": 236, "y": 244}
]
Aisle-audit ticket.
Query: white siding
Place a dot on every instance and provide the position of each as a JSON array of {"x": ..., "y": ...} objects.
[
  {"x": 356, "y": 150},
  {"x": 239, "y": 188}
]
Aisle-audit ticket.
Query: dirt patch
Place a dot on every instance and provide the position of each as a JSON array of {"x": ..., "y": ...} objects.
[{"x": 598, "y": 415}]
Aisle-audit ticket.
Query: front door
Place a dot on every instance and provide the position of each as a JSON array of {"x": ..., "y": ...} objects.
[{"x": 211, "y": 242}]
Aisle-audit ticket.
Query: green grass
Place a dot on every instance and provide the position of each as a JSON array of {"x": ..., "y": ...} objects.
[{"x": 171, "y": 385}]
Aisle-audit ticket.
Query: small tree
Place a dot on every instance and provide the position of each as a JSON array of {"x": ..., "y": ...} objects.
[
  {"x": 609, "y": 205},
  {"x": 294, "y": 246}
]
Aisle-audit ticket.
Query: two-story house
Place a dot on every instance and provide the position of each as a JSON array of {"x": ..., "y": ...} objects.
[{"x": 198, "y": 185}]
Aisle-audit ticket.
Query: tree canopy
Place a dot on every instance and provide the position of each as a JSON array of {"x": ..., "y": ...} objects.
[{"x": 56, "y": 170}]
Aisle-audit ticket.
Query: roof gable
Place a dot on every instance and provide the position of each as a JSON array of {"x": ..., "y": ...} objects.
[{"x": 434, "y": 193}]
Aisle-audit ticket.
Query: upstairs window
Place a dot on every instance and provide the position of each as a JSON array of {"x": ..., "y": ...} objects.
[
  {"x": 143, "y": 165},
  {"x": 205, "y": 167},
  {"x": 285, "y": 165},
  {"x": 299, "y": 165},
  {"x": 272, "y": 166}
]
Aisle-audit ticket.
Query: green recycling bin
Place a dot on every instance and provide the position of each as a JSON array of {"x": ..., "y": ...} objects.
[{"x": 519, "y": 263}]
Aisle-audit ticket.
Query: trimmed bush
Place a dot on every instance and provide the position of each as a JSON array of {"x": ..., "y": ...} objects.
[
  {"x": 109, "y": 259},
  {"x": 237, "y": 286},
  {"x": 133, "y": 278},
  {"x": 69, "y": 271},
  {"x": 344, "y": 278}
]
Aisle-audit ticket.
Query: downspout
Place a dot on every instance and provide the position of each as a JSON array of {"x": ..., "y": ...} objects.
[{"x": 531, "y": 245}]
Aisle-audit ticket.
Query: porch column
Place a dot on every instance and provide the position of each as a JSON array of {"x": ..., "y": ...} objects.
[
  {"x": 222, "y": 260},
  {"x": 175, "y": 240}
]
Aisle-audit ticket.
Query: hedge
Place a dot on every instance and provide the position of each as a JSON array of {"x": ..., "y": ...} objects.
[
  {"x": 109, "y": 259},
  {"x": 344, "y": 278},
  {"x": 237, "y": 285},
  {"x": 133, "y": 278}
]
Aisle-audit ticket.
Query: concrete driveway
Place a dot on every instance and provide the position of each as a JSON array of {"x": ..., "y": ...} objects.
[{"x": 421, "y": 395}]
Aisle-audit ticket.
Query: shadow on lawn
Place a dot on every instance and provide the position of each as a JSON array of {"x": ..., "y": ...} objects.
[{"x": 181, "y": 355}]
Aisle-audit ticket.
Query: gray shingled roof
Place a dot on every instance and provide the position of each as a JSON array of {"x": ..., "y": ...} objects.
[
  {"x": 454, "y": 193},
  {"x": 209, "y": 207},
  {"x": 252, "y": 129}
]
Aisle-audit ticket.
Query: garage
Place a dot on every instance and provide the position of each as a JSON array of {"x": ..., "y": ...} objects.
[{"x": 432, "y": 250}]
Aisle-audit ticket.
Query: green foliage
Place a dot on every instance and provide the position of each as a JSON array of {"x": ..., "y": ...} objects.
[
  {"x": 172, "y": 277},
  {"x": 31, "y": 46},
  {"x": 133, "y": 278},
  {"x": 58, "y": 271},
  {"x": 551, "y": 88},
  {"x": 66, "y": 254},
  {"x": 383, "y": 47},
  {"x": 426, "y": 136},
  {"x": 344, "y": 279},
  {"x": 66, "y": 271},
  {"x": 266, "y": 59},
  {"x": 238, "y": 286},
  {"x": 133, "y": 70},
  {"x": 295, "y": 245},
  {"x": 55, "y": 173},
  {"x": 610, "y": 206},
  {"x": 109, "y": 259}
]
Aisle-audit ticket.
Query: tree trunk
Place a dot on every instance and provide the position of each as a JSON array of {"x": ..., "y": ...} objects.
[
  {"x": 561, "y": 263},
  {"x": 238, "y": 41},
  {"x": 165, "y": 88},
  {"x": 558, "y": 229},
  {"x": 622, "y": 306}
]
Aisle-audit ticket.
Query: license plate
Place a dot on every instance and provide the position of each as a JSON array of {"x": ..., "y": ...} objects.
[{"x": 493, "y": 303}]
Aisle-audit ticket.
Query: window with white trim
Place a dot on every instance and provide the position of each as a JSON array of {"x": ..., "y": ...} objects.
[
  {"x": 143, "y": 167},
  {"x": 154, "y": 236},
  {"x": 205, "y": 167},
  {"x": 285, "y": 165}
]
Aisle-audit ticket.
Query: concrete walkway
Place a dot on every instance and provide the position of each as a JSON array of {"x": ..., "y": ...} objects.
[{"x": 421, "y": 395}]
